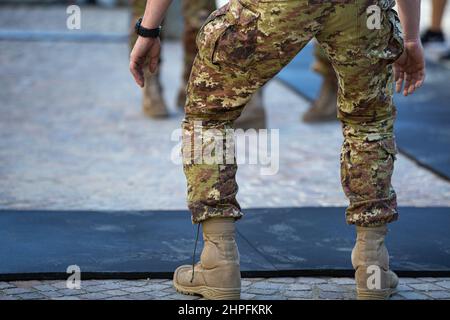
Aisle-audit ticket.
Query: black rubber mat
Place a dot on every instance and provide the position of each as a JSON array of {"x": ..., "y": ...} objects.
[
  {"x": 272, "y": 242},
  {"x": 423, "y": 121}
]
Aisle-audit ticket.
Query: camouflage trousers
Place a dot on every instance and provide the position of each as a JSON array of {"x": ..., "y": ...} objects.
[
  {"x": 245, "y": 43},
  {"x": 195, "y": 13}
]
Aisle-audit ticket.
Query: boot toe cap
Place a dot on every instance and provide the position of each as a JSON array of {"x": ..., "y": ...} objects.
[{"x": 183, "y": 274}]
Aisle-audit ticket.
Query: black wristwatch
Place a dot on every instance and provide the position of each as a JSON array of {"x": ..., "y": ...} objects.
[{"x": 146, "y": 33}]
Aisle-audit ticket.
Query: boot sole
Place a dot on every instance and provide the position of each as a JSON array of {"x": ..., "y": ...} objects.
[
  {"x": 365, "y": 294},
  {"x": 210, "y": 293}
]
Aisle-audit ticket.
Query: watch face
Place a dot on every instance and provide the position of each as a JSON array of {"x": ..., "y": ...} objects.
[{"x": 138, "y": 25}]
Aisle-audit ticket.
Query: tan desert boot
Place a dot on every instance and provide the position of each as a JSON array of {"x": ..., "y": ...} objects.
[
  {"x": 253, "y": 116},
  {"x": 324, "y": 108},
  {"x": 153, "y": 103},
  {"x": 370, "y": 258},
  {"x": 217, "y": 276}
]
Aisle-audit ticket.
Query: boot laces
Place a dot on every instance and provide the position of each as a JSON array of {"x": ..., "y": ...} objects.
[{"x": 193, "y": 254}]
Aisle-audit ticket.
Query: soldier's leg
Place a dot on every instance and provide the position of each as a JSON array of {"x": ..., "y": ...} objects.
[
  {"x": 362, "y": 59},
  {"x": 241, "y": 47},
  {"x": 195, "y": 13},
  {"x": 324, "y": 107},
  {"x": 152, "y": 98}
]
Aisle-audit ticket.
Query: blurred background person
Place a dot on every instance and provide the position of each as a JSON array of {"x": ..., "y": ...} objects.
[
  {"x": 433, "y": 38},
  {"x": 153, "y": 103}
]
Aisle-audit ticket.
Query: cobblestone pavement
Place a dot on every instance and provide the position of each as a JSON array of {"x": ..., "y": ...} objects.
[{"x": 252, "y": 289}]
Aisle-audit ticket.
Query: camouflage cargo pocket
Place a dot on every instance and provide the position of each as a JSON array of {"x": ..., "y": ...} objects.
[
  {"x": 229, "y": 36},
  {"x": 396, "y": 44},
  {"x": 390, "y": 147}
]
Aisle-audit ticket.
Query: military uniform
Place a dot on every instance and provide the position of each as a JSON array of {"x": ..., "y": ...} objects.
[
  {"x": 246, "y": 43},
  {"x": 195, "y": 13}
]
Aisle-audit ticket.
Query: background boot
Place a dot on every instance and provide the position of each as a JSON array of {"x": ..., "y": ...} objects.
[
  {"x": 217, "y": 276},
  {"x": 152, "y": 99},
  {"x": 370, "y": 258},
  {"x": 153, "y": 103},
  {"x": 253, "y": 116},
  {"x": 324, "y": 108}
]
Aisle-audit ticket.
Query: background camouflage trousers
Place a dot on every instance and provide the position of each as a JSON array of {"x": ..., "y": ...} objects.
[
  {"x": 245, "y": 43},
  {"x": 322, "y": 65},
  {"x": 195, "y": 13}
]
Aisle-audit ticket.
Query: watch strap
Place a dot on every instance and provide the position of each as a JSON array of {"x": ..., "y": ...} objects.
[{"x": 146, "y": 33}]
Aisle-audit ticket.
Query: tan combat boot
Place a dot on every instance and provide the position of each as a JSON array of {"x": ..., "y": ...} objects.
[
  {"x": 217, "y": 276},
  {"x": 153, "y": 103},
  {"x": 253, "y": 116},
  {"x": 370, "y": 258},
  {"x": 324, "y": 108}
]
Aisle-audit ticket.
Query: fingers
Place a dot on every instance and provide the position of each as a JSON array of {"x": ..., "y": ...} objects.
[
  {"x": 399, "y": 77},
  {"x": 413, "y": 81},
  {"x": 409, "y": 72},
  {"x": 408, "y": 84},
  {"x": 399, "y": 83},
  {"x": 417, "y": 81},
  {"x": 421, "y": 79},
  {"x": 137, "y": 72},
  {"x": 143, "y": 51},
  {"x": 399, "y": 72}
]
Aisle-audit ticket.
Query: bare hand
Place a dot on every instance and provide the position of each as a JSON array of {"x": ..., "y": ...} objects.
[
  {"x": 410, "y": 68},
  {"x": 144, "y": 50}
]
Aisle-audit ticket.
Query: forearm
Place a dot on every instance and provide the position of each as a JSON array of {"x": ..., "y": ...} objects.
[
  {"x": 154, "y": 13},
  {"x": 409, "y": 11}
]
